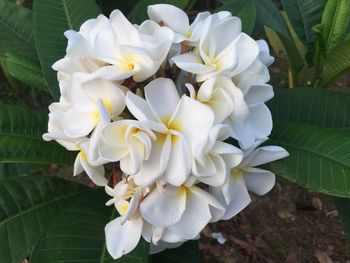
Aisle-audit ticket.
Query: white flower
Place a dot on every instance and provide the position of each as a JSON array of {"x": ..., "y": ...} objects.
[
  {"x": 93, "y": 166},
  {"x": 176, "y": 19},
  {"x": 223, "y": 97},
  {"x": 219, "y": 52},
  {"x": 257, "y": 74},
  {"x": 84, "y": 115},
  {"x": 112, "y": 50},
  {"x": 124, "y": 233},
  {"x": 182, "y": 126},
  {"x": 234, "y": 193},
  {"x": 182, "y": 211},
  {"x": 127, "y": 141},
  {"x": 217, "y": 158}
]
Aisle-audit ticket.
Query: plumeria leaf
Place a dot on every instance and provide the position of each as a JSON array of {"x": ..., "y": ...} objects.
[
  {"x": 245, "y": 10},
  {"x": 268, "y": 14},
  {"x": 319, "y": 158},
  {"x": 26, "y": 70},
  {"x": 187, "y": 253},
  {"x": 78, "y": 234},
  {"x": 321, "y": 108},
  {"x": 334, "y": 23},
  {"x": 20, "y": 138},
  {"x": 306, "y": 124},
  {"x": 304, "y": 15},
  {"x": 28, "y": 205},
  {"x": 16, "y": 29},
  {"x": 51, "y": 19},
  {"x": 336, "y": 63},
  {"x": 139, "y": 13},
  {"x": 18, "y": 169}
]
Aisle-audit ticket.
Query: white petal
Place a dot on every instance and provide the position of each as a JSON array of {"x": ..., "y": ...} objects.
[
  {"x": 162, "y": 96},
  {"x": 179, "y": 164},
  {"x": 76, "y": 123},
  {"x": 259, "y": 181},
  {"x": 194, "y": 219},
  {"x": 245, "y": 57},
  {"x": 239, "y": 197},
  {"x": 267, "y": 154},
  {"x": 192, "y": 63},
  {"x": 125, "y": 32},
  {"x": 196, "y": 120},
  {"x": 139, "y": 108},
  {"x": 260, "y": 121},
  {"x": 258, "y": 94},
  {"x": 164, "y": 208},
  {"x": 122, "y": 238},
  {"x": 96, "y": 173},
  {"x": 170, "y": 15}
]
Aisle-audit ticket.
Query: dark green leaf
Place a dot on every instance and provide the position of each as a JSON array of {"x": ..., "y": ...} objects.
[
  {"x": 78, "y": 235},
  {"x": 26, "y": 70},
  {"x": 336, "y": 63},
  {"x": 322, "y": 108},
  {"x": 28, "y": 205},
  {"x": 139, "y": 13},
  {"x": 268, "y": 14},
  {"x": 187, "y": 253},
  {"x": 17, "y": 169},
  {"x": 304, "y": 15},
  {"x": 20, "y": 138},
  {"x": 319, "y": 158},
  {"x": 244, "y": 9},
  {"x": 51, "y": 19},
  {"x": 16, "y": 29}
]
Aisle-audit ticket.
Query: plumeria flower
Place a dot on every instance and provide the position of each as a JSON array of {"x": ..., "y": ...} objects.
[
  {"x": 127, "y": 141},
  {"x": 84, "y": 115},
  {"x": 217, "y": 158},
  {"x": 182, "y": 126},
  {"x": 182, "y": 211},
  {"x": 113, "y": 50},
  {"x": 257, "y": 74},
  {"x": 223, "y": 97},
  {"x": 219, "y": 52},
  {"x": 246, "y": 177},
  {"x": 176, "y": 19},
  {"x": 90, "y": 164},
  {"x": 124, "y": 233}
]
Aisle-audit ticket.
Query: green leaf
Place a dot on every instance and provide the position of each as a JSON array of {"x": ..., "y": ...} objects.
[
  {"x": 336, "y": 64},
  {"x": 289, "y": 48},
  {"x": 343, "y": 207},
  {"x": 28, "y": 205},
  {"x": 268, "y": 14},
  {"x": 335, "y": 19},
  {"x": 319, "y": 158},
  {"x": 16, "y": 29},
  {"x": 139, "y": 13},
  {"x": 26, "y": 70},
  {"x": 78, "y": 235},
  {"x": 244, "y": 9},
  {"x": 304, "y": 15},
  {"x": 20, "y": 138},
  {"x": 307, "y": 122},
  {"x": 51, "y": 19},
  {"x": 322, "y": 108},
  {"x": 187, "y": 253},
  {"x": 17, "y": 169}
]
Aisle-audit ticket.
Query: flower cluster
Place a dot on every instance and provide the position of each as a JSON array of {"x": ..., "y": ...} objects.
[{"x": 178, "y": 108}]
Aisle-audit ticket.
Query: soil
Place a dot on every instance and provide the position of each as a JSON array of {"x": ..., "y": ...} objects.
[{"x": 289, "y": 224}]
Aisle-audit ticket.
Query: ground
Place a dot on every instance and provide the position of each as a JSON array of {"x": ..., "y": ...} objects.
[{"x": 290, "y": 224}]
